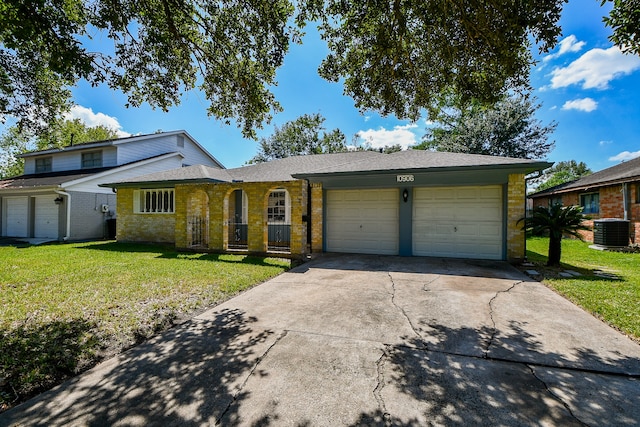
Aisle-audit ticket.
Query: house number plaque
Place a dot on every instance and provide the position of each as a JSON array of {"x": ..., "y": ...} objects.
[{"x": 404, "y": 178}]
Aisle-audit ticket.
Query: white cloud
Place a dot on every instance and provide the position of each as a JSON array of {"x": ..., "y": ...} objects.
[
  {"x": 604, "y": 143},
  {"x": 91, "y": 119},
  {"x": 584, "y": 104},
  {"x": 568, "y": 44},
  {"x": 625, "y": 155},
  {"x": 378, "y": 138},
  {"x": 595, "y": 69}
]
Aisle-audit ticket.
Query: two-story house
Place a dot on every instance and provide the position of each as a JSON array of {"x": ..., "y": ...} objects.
[{"x": 58, "y": 196}]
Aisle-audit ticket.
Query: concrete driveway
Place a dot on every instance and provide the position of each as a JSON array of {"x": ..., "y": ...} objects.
[{"x": 367, "y": 340}]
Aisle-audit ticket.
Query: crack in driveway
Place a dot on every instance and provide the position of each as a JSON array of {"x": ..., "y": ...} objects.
[
  {"x": 555, "y": 396},
  {"x": 493, "y": 322},
  {"x": 253, "y": 369},
  {"x": 404, "y": 313},
  {"x": 377, "y": 391}
]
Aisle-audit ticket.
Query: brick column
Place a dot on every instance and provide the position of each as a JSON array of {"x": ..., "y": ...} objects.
[
  {"x": 316, "y": 217},
  {"x": 515, "y": 211}
]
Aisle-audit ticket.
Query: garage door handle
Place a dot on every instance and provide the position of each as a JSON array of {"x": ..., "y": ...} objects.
[{"x": 455, "y": 229}]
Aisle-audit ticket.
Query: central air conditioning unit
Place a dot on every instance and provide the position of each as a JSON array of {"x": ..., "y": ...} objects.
[{"x": 611, "y": 232}]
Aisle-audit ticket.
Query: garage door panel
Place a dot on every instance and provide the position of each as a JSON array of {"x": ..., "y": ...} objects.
[
  {"x": 46, "y": 217},
  {"x": 362, "y": 221},
  {"x": 458, "y": 222},
  {"x": 16, "y": 216}
]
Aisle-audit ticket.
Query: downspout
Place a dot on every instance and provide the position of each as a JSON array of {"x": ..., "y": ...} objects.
[
  {"x": 625, "y": 200},
  {"x": 68, "y": 227}
]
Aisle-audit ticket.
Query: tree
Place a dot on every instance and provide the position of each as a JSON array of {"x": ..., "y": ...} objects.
[
  {"x": 509, "y": 129},
  {"x": 14, "y": 142},
  {"x": 393, "y": 57},
  {"x": 562, "y": 172},
  {"x": 304, "y": 135},
  {"x": 557, "y": 221}
]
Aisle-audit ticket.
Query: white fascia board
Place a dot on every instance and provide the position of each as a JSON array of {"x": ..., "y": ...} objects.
[{"x": 120, "y": 169}]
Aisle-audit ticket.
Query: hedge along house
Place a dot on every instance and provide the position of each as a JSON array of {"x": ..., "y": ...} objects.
[{"x": 409, "y": 203}]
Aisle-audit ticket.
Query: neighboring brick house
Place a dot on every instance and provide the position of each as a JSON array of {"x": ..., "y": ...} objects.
[
  {"x": 407, "y": 203},
  {"x": 610, "y": 193},
  {"x": 58, "y": 197}
]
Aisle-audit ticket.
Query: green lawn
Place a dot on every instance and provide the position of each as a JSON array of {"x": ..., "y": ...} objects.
[
  {"x": 65, "y": 307},
  {"x": 609, "y": 286}
]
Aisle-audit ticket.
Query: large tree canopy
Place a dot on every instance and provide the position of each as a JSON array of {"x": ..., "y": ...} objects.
[
  {"x": 509, "y": 128},
  {"x": 395, "y": 57},
  {"x": 15, "y": 141},
  {"x": 304, "y": 135},
  {"x": 562, "y": 172}
]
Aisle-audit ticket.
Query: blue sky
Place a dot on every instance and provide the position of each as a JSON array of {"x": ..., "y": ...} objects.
[{"x": 585, "y": 84}]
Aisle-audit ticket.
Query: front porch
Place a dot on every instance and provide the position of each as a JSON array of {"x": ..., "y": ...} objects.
[{"x": 257, "y": 218}]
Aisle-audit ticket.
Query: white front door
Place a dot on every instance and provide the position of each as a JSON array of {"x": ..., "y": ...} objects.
[
  {"x": 461, "y": 222},
  {"x": 16, "y": 216},
  {"x": 362, "y": 221},
  {"x": 45, "y": 224}
]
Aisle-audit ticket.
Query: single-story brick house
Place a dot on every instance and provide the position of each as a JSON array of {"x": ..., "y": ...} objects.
[
  {"x": 409, "y": 203},
  {"x": 610, "y": 193}
]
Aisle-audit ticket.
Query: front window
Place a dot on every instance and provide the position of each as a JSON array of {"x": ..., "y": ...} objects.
[
  {"x": 43, "y": 164},
  {"x": 590, "y": 203},
  {"x": 277, "y": 208},
  {"x": 154, "y": 201},
  {"x": 92, "y": 159},
  {"x": 555, "y": 200}
]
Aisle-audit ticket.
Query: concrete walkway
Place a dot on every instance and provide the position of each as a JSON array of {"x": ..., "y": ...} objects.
[{"x": 367, "y": 340}]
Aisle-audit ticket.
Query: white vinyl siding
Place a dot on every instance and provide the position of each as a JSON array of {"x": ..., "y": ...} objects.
[
  {"x": 461, "y": 222},
  {"x": 363, "y": 221},
  {"x": 159, "y": 200}
]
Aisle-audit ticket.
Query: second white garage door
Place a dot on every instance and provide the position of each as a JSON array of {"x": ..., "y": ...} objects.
[
  {"x": 46, "y": 218},
  {"x": 462, "y": 222},
  {"x": 362, "y": 221}
]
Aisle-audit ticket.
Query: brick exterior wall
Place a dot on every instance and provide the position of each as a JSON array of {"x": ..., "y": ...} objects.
[
  {"x": 515, "y": 211},
  {"x": 257, "y": 193},
  {"x": 611, "y": 206},
  {"x": 141, "y": 227},
  {"x": 316, "y": 217}
]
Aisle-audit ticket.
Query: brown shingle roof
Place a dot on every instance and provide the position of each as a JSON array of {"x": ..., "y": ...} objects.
[
  {"x": 295, "y": 167},
  {"x": 623, "y": 172}
]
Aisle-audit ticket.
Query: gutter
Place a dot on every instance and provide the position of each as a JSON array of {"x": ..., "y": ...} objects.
[{"x": 68, "y": 227}]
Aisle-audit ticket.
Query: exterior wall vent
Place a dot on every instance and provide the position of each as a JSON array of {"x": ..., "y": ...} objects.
[{"x": 611, "y": 232}]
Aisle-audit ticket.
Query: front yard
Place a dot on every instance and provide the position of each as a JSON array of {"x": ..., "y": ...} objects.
[
  {"x": 66, "y": 307},
  {"x": 608, "y": 285}
]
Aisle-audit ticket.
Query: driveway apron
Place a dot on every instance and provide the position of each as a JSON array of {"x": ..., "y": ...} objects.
[{"x": 367, "y": 340}]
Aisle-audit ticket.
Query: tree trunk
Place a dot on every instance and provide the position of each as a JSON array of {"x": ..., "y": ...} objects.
[{"x": 555, "y": 249}]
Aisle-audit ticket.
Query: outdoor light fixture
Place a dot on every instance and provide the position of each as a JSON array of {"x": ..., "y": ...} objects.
[
  {"x": 58, "y": 200},
  {"x": 405, "y": 195}
]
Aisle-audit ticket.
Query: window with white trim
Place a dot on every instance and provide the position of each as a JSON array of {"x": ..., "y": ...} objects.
[
  {"x": 278, "y": 209},
  {"x": 590, "y": 202},
  {"x": 160, "y": 200},
  {"x": 92, "y": 159},
  {"x": 43, "y": 164}
]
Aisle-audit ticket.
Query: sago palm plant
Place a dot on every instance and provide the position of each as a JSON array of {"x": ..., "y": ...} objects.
[{"x": 556, "y": 221}]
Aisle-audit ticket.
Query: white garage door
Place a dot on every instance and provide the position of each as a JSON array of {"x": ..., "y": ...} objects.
[
  {"x": 463, "y": 222},
  {"x": 46, "y": 217},
  {"x": 16, "y": 216},
  {"x": 362, "y": 221}
]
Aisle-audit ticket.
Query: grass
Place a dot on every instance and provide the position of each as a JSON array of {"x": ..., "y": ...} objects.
[
  {"x": 609, "y": 285},
  {"x": 65, "y": 307}
]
